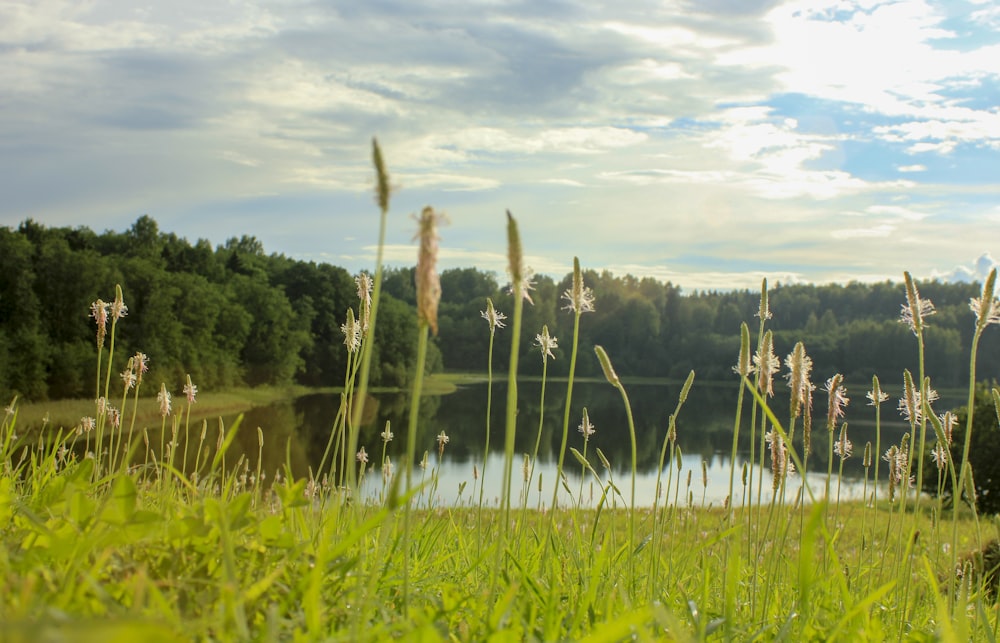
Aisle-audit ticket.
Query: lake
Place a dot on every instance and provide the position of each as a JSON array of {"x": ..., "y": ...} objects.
[{"x": 298, "y": 430}]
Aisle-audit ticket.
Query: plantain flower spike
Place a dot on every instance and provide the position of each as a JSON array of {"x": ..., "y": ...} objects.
[
  {"x": 799, "y": 367},
  {"x": 546, "y": 343},
  {"x": 118, "y": 307},
  {"x": 764, "y": 310},
  {"x": 766, "y": 364},
  {"x": 427, "y": 280},
  {"x": 915, "y": 308},
  {"x": 382, "y": 189},
  {"x": 986, "y": 307},
  {"x": 99, "y": 311},
  {"x": 580, "y": 298},
  {"x": 365, "y": 285},
  {"x": 836, "y": 400},
  {"x": 744, "y": 367},
  {"x": 520, "y": 275},
  {"x": 609, "y": 370},
  {"x": 493, "y": 316}
]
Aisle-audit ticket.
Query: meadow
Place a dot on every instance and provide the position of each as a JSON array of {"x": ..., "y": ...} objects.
[{"x": 119, "y": 527}]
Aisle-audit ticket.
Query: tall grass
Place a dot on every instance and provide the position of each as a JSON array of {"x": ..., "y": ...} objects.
[{"x": 106, "y": 536}]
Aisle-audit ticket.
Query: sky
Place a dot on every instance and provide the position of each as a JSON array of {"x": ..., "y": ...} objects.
[{"x": 709, "y": 143}]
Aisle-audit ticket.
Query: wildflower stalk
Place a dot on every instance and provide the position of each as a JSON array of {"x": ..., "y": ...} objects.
[
  {"x": 546, "y": 343},
  {"x": 515, "y": 260},
  {"x": 190, "y": 390},
  {"x": 586, "y": 430},
  {"x": 118, "y": 310},
  {"x": 260, "y": 460},
  {"x": 581, "y": 300},
  {"x": 744, "y": 368},
  {"x": 987, "y": 310},
  {"x": 766, "y": 365},
  {"x": 386, "y": 438},
  {"x": 495, "y": 320},
  {"x": 761, "y": 359},
  {"x": 876, "y": 396},
  {"x": 834, "y": 412},
  {"x": 843, "y": 450},
  {"x": 101, "y": 311},
  {"x": 613, "y": 379},
  {"x": 382, "y": 194},
  {"x": 428, "y": 295},
  {"x": 337, "y": 429},
  {"x": 668, "y": 441},
  {"x": 355, "y": 336},
  {"x": 915, "y": 310}
]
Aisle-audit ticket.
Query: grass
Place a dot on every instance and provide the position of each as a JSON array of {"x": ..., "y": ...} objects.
[
  {"x": 135, "y": 542},
  {"x": 210, "y": 405},
  {"x": 67, "y": 413}
]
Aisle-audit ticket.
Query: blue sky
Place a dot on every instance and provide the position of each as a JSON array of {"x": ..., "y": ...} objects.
[{"x": 706, "y": 142}]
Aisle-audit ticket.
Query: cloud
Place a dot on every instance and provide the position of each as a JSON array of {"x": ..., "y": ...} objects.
[
  {"x": 882, "y": 230},
  {"x": 690, "y": 124},
  {"x": 896, "y": 212},
  {"x": 977, "y": 271}
]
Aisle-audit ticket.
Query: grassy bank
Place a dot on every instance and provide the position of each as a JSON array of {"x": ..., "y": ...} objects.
[
  {"x": 157, "y": 556},
  {"x": 210, "y": 405}
]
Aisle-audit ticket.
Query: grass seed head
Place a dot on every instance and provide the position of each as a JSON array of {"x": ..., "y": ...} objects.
[
  {"x": 580, "y": 298},
  {"x": 382, "y": 189},
  {"x": 764, "y": 310},
  {"x": 118, "y": 307},
  {"x": 163, "y": 399},
  {"x": 744, "y": 367},
  {"x": 609, "y": 370},
  {"x": 799, "y": 367},
  {"x": 686, "y": 389},
  {"x": 494, "y": 318},
  {"x": 843, "y": 446},
  {"x": 986, "y": 307},
  {"x": 99, "y": 311},
  {"x": 352, "y": 332},
  {"x": 190, "y": 390},
  {"x": 546, "y": 343},
  {"x": 766, "y": 364},
  {"x": 520, "y": 276},
  {"x": 365, "y": 285},
  {"x": 915, "y": 308},
  {"x": 586, "y": 428},
  {"x": 428, "y": 282},
  {"x": 876, "y": 396},
  {"x": 836, "y": 400}
]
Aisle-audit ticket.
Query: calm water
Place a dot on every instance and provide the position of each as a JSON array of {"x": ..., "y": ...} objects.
[{"x": 298, "y": 431}]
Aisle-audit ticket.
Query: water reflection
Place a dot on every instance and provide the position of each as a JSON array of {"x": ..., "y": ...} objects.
[{"x": 297, "y": 431}]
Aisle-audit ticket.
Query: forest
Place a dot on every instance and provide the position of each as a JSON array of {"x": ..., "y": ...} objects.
[{"x": 234, "y": 315}]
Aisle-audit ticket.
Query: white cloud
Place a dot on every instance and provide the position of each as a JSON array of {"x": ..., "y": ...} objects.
[
  {"x": 447, "y": 182},
  {"x": 894, "y": 58},
  {"x": 943, "y": 148},
  {"x": 896, "y": 211},
  {"x": 883, "y": 230},
  {"x": 977, "y": 271}
]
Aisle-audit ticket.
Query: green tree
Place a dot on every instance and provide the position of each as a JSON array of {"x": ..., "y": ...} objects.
[
  {"x": 24, "y": 355},
  {"x": 984, "y": 454}
]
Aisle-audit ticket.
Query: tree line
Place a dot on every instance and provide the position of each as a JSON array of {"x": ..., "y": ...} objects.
[
  {"x": 234, "y": 315},
  {"x": 650, "y": 329}
]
